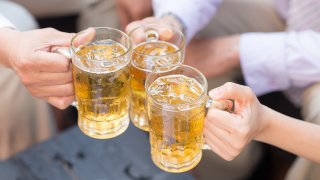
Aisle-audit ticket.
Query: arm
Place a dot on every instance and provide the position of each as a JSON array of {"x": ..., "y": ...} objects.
[
  {"x": 46, "y": 75},
  {"x": 128, "y": 11},
  {"x": 278, "y": 61},
  {"x": 4, "y": 25},
  {"x": 293, "y": 135},
  {"x": 227, "y": 134},
  {"x": 187, "y": 16},
  {"x": 269, "y": 61},
  {"x": 194, "y": 14}
]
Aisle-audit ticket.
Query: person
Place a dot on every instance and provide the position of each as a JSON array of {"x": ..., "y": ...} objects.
[
  {"x": 252, "y": 51},
  {"x": 270, "y": 60},
  {"x": 303, "y": 168},
  {"x": 228, "y": 133},
  {"x": 114, "y": 13},
  {"x": 27, "y": 68}
]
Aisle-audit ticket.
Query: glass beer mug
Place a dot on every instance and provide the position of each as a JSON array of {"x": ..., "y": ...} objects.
[
  {"x": 101, "y": 77},
  {"x": 177, "y": 102},
  {"x": 155, "y": 46}
]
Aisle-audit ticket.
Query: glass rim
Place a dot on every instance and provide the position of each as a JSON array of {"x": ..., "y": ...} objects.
[
  {"x": 196, "y": 101},
  {"x": 180, "y": 48},
  {"x": 153, "y": 70},
  {"x": 73, "y": 49}
]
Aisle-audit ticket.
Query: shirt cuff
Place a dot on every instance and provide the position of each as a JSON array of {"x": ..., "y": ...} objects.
[
  {"x": 262, "y": 58},
  {"x": 5, "y": 22},
  {"x": 193, "y": 14}
]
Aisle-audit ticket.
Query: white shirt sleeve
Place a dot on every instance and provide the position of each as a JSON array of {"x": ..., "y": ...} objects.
[
  {"x": 194, "y": 14},
  {"x": 5, "y": 22},
  {"x": 278, "y": 61}
]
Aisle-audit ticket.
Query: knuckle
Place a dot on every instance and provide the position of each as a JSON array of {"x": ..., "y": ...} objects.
[
  {"x": 50, "y": 30},
  {"x": 64, "y": 66},
  {"x": 61, "y": 106},
  {"x": 24, "y": 65},
  {"x": 132, "y": 26},
  {"x": 229, "y": 85},
  {"x": 149, "y": 19},
  {"x": 32, "y": 91},
  {"x": 227, "y": 157},
  {"x": 25, "y": 81},
  {"x": 235, "y": 153},
  {"x": 69, "y": 77},
  {"x": 68, "y": 89},
  {"x": 62, "y": 103},
  {"x": 248, "y": 90},
  {"x": 239, "y": 146},
  {"x": 210, "y": 115},
  {"x": 243, "y": 131}
]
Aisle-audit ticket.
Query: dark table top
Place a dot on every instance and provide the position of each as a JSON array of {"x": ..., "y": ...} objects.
[{"x": 73, "y": 155}]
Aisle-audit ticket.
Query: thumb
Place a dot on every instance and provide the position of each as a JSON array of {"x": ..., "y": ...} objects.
[
  {"x": 61, "y": 38},
  {"x": 84, "y": 37},
  {"x": 220, "y": 118},
  {"x": 229, "y": 91}
]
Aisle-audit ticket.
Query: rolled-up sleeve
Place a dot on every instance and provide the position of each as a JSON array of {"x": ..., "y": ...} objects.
[
  {"x": 278, "y": 61},
  {"x": 5, "y": 23},
  {"x": 194, "y": 14}
]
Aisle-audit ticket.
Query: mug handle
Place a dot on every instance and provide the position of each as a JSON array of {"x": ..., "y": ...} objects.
[
  {"x": 64, "y": 51},
  {"x": 222, "y": 104}
]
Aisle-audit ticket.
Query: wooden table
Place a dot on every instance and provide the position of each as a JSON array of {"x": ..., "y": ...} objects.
[{"x": 72, "y": 155}]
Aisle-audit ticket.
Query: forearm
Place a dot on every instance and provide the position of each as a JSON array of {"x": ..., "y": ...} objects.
[
  {"x": 278, "y": 61},
  {"x": 194, "y": 14},
  {"x": 292, "y": 135},
  {"x": 214, "y": 56},
  {"x": 7, "y": 38}
]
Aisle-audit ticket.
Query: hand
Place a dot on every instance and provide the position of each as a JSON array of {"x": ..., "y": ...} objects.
[
  {"x": 227, "y": 134},
  {"x": 214, "y": 56},
  {"x": 46, "y": 75},
  {"x": 129, "y": 10},
  {"x": 164, "y": 33}
]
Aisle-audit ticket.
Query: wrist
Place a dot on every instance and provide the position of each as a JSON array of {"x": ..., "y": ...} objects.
[
  {"x": 174, "y": 21},
  {"x": 267, "y": 116},
  {"x": 8, "y": 39},
  {"x": 234, "y": 50}
]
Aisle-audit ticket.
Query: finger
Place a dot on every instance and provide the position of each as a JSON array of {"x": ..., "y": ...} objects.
[
  {"x": 150, "y": 20},
  {"x": 164, "y": 30},
  {"x": 46, "y": 79},
  {"x": 60, "y": 102},
  {"x": 133, "y": 25},
  {"x": 54, "y": 90},
  {"x": 217, "y": 146},
  {"x": 229, "y": 91},
  {"x": 166, "y": 34},
  {"x": 84, "y": 37},
  {"x": 224, "y": 136},
  {"x": 51, "y": 62},
  {"x": 59, "y": 38},
  {"x": 138, "y": 35},
  {"x": 221, "y": 119}
]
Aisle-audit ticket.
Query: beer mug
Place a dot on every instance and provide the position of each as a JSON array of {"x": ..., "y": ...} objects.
[
  {"x": 177, "y": 106},
  {"x": 101, "y": 77},
  {"x": 155, "y": 46}
]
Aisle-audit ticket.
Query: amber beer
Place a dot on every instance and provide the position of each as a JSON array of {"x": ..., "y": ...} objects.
[
  {"x": 176, "y": 108},
  {"x": 141, "y": 66},
  {"x": 147, "y": 56},
  {"x": 101, "y": 78}
]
